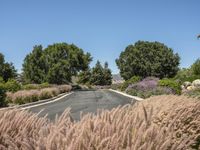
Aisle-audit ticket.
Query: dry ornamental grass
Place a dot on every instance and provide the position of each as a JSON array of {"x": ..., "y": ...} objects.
[
  {"x": 26, "y": 96},
  {"x": 158, "y": 123}
]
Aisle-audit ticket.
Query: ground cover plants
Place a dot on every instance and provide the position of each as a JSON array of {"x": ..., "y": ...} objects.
[
  {"x": 162, "y": 122},
  {"x": 152, "y": 86}
]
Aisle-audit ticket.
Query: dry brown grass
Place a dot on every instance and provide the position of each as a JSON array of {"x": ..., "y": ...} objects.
[
  {"x": 162, "y": 123},
  {"x": 26, "y": 96}
]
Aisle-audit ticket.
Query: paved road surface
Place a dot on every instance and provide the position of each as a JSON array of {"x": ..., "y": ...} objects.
[{"x": 83, "y": 101}]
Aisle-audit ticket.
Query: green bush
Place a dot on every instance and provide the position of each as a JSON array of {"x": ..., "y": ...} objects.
[
  {"x": 196, "y": 67},
  {"x": 132, "y": 80},
  {"x": 36, "y": 86},
  {"x": 12, "y": 85},
  {"x": 44, "y": 85},
  {"x": 2, "y": 95},
  {"x": 30, "y": 87},
  {"x": 186, "y": 75},
  {"x": 174, "y": 85}
]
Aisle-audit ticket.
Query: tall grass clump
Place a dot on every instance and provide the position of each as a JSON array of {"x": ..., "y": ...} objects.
[
  {"x": 26, "y": 96},
  {"x": 162, "y": 122}
]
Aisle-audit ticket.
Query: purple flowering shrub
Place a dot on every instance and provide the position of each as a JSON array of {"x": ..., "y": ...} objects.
[{"x": 148, "y": 87}]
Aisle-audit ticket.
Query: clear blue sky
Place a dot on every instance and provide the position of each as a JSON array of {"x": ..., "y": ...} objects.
[{"x": 104, "y": 27}]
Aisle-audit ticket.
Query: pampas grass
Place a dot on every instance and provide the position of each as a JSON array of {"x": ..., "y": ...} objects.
[
  {"x": 26, "y": 96},
  {"x": 162, "y": 123}
]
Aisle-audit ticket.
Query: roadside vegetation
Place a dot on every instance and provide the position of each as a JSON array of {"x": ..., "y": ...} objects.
[
  {"x": 27, "y": 96},
  {"x": 151, "y": 68},
  {"x": 163, "y": 122}
]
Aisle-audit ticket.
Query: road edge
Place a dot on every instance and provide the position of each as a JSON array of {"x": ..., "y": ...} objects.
[
  {"x": 38, "y": 103},
  {"x": 127, "y": 95},
  {"x": 48, "y": 102}
]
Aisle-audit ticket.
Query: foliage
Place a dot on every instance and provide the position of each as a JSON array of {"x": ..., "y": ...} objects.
[
  {"x": 174, "y": 85},
  {"x": 162, "y": 122},
  {"x": 56, "y": 64},
  {"x": 196, "y": 67},
  {"x": 148, "y": 87},
  {"x": 7, "y": 70},
  {"x": 36, "y": 86},
  {"x": 101, "y": 75},
  {"x": 184, "y": 75},
  {"x": 27, "y": 96},
  {"x": 34, "y": 67},
  {"x": 3, "y": 101},
  {"x": 84, "y": 77},
  {"x": 107, "y": 75},
  {"x": 12, "y": 85},
  {"x": 97, "y": 74},
  {"x": 132, "y": 80},
  {"x": 150, "y": 92},
  {"x": 148, "y": 59},
  {"x": 59, "y": 73}
]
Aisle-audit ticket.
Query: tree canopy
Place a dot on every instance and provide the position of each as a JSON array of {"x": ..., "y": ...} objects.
[
  {"x": 196, "y": 67},
  {"x": 55, "y": 64},
  {"x": 7, "y": 70},
  {"x": 148, "y": 59},
  {"x": 98, "y": 75}
]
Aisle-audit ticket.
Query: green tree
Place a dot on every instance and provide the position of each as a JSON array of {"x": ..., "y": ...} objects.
[
  {"x": 107, "y": 75},
  {"x": 148, "y": 59},
  {"x": 196, "y": 67},
  {"x": 7, "y": 70},
  {"x": 101, "y": 75},
  {"x": 34, "y": 67},
  {"x": 59, "y": 73},
  {"x": 55, "y": 64},
  {"x": 97, "y": 76},
  {"x": 84, "y": 76}
]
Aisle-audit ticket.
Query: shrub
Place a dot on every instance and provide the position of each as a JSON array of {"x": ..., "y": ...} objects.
[
  {"x": 148, "y": 87},
  {"x": 186, "y": 75},
  {"x": 132, "y": 80},
  {"x": 3, "y": 101},
  {"x": 12, "y": 85},
  {"x": 30, "y": 86},
  {"x": 196, "y": 67},
  {"x": 44, "y": 85},
  {"x": 162, "y": 123},
  {"x": 174, "y": 85}
]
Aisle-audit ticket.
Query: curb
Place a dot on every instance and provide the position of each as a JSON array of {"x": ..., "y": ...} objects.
[
  {"x": 39, "y": 103},
  {"x": 127, "y": 95}
]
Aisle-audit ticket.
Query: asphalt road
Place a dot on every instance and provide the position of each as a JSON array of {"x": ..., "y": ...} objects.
[{"x": 83, "y": 101}]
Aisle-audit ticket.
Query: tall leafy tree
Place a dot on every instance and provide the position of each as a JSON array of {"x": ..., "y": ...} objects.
[
  {"x": 34, "y": 67},
  {"x": 97, "y": 76},
  {"x": 148, "y": 59},
  {"x": 196, "y": 67},
  {"x": 55, "y": 64},
  {"x": 7, "y": 70},
  {"x": 59, "y": 73},
  {"x": 107, "y": 74},
  {"x": 84, "y": 76},
  {"x": 101, "y": 75}
]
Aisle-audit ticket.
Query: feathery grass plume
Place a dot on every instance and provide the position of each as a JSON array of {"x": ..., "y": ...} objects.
[
  {"x": 172, "y": 122},
  {"x": 26, "y": 96}
]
